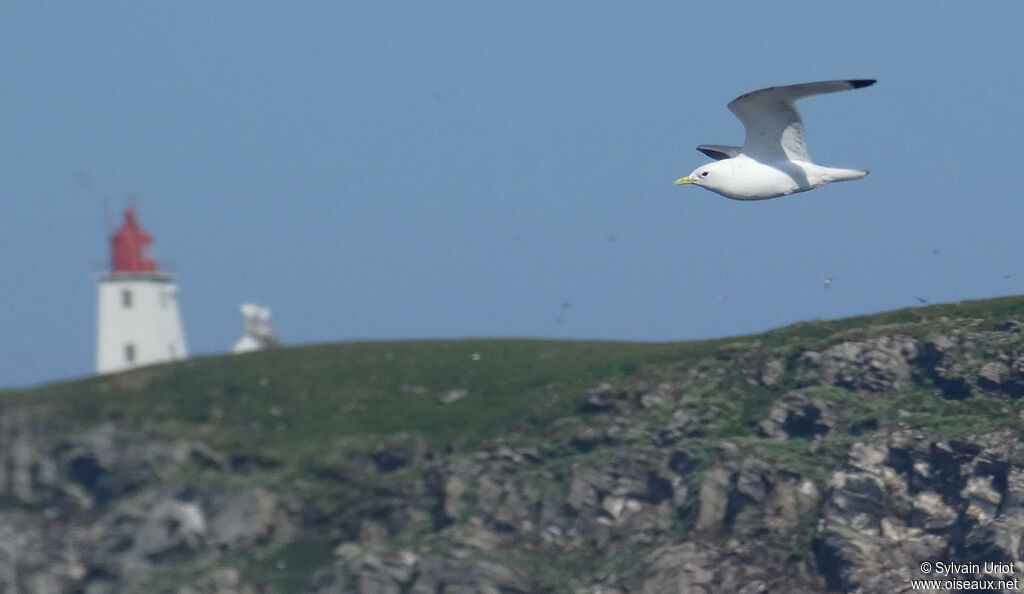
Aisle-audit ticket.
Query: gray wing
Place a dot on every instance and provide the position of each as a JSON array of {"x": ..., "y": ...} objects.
[
  {"x": 774, "y": 128},
  {"x": 719, "y": 152}
]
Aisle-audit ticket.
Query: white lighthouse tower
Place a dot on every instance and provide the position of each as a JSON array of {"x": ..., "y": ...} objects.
[{"x": 138, "y": 321}]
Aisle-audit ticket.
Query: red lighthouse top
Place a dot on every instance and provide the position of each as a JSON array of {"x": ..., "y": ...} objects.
[{"x": 132, "y": 247}]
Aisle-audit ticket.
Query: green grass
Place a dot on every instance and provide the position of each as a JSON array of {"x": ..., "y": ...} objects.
[
  {"x": 325, "y": 391},
  {"x": 983, "y": 313},
  {"x": 814, "y": 459},
  {"x": 288, "y": 566},
  {"x": 287, "y": 412},
  {"x": 288, "y": 405}
]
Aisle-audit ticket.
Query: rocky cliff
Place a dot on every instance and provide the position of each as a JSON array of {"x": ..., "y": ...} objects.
[{"x": 826, "y": 456}]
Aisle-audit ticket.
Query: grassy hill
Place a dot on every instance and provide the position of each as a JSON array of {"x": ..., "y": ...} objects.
[
  {"x": 292, "y": 420},
  {"x": 274, "y": 401}
]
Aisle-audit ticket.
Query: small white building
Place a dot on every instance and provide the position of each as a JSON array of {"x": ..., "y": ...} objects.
[
  {"x": 258, "y": 334},
  {"x": 138, "y": 321}
]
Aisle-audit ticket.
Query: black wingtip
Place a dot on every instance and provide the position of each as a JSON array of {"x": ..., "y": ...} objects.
[
  {"x": 862, "y": 82},
  {"x": 716, "y": 155}
]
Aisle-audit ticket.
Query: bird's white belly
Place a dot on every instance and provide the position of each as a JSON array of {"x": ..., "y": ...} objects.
[{"x": 753, "y": 180}]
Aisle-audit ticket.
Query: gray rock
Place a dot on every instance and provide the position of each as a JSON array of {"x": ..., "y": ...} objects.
[
  {"x": 994, "y": 372},
  {"x": 680, "y": 569},
  {"x": 898, "y": 503},
  {"x": 771, "y": 371},
  {"x": 28, "y": 471},
  {"x": 410, "y": 572},
  {"x": 603, "y": 397},
  {"x": 714, "y": 498},
  {"x": 243, "y": 519},
  {"x": 39, "y": 557},
  {"x": 701, "y": 567},
  {"x": 800, "y": 416},
  {"x": 940, "y": 362},
  {"x": 584, "y": 487},
  {"x": 999, "y": 379},
  {"x": 173, "y": 529},
  {"x": 154, "y": 529},
  {"x": 454, "y": 487},
  {"x": 879, "y": 364}
]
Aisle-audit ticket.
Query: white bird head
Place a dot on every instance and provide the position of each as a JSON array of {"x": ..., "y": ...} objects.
[{"x": 713, "y": 176}]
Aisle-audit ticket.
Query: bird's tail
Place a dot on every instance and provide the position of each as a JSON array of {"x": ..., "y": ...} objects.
[{"x": 838, "y": 175}]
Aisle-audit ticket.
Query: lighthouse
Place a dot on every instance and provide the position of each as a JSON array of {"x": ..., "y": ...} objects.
[{"x": 138, "y": 322}]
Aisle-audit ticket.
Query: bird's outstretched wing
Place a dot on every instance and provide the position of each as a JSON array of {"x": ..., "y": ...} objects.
[{"x": 774, "y": 129}]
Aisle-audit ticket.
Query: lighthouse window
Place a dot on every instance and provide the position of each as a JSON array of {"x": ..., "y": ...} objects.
[
  {"x": 129, "y": 353},
  {"x": 126, "y": 298}
]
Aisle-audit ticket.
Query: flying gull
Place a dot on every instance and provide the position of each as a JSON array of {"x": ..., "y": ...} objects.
[{"x": 773, "y": 160}]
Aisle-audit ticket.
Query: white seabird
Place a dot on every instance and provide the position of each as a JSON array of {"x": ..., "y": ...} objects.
[{"x": 773, "y": 160}]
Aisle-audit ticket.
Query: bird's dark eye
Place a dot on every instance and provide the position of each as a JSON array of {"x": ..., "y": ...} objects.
[{"x": 703, "y": 173}]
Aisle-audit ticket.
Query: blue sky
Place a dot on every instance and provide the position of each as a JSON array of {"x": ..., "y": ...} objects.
[{"x": 429, "y": 170}]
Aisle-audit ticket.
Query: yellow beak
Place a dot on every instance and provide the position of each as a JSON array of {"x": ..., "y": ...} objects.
[{"x": 685, "y": 180}]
